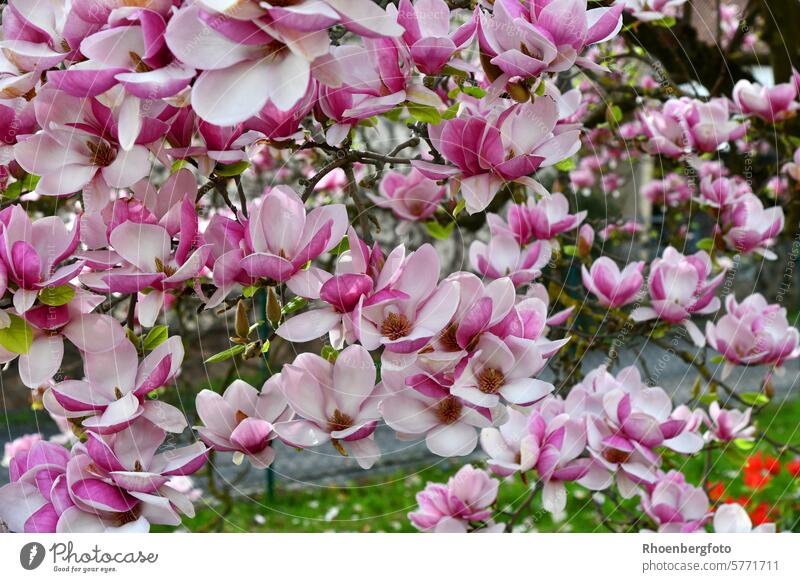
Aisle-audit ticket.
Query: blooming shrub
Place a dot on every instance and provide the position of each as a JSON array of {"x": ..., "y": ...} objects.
[{"x": 169, "y": 166}]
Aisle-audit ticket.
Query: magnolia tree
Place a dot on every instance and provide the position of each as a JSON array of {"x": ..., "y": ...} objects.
[{"x": 172, "y": 169}]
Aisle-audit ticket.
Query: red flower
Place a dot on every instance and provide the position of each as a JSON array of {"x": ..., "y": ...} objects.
[
  {"x": 762, "y": 513},
  {"x": 793, "y": 467},
  {"x": 759, "y": 470},
  {"x": 715, "y": 491}
]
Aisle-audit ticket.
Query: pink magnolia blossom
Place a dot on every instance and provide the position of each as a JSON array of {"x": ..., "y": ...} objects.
[
  {"x": 626, "y": 420},
  {"x": 753, "y": 332},
  {"x": 427, "y": 33},
  {"x": 528, "y": 39},
  {"x": 585, "y": 240},
  {"x": 675, "y": 505},
  {"x": 37, "y": 37},
  {"x": 242, "y": 419},
  {"x": 254, "y": 55},
  {"x": 709, "y": 124},
  {"x": 122, "y": 479},
  {"x": 683, "y": 125},
  {"x": 149, "y": 262},
  {"x": 727, "y": 425},
  {"x": 733, "y": 518},
  {"x": 546, "y": 440},
  {"x": 92, "y": 146},
  {"x": 406, "y": 323},
  {"x": 335, "y": 403},
  {"x": 793, "y": 168},
  {"x": 114, "y": 393},
  {"x": 131, "y": 460},
  {"x": 360, "y": 272},
  {"x": 749, "y": 227},
  {"x": 503, "y": 257},
  {"x": 504, "y": 145},
  {"x": 650, "y": 10},
  {"x": 451, "y": 507},
  {"x": 89, "y": 332},
  {"x": 612, "y": 287},
  {"x": 543, "y": 219},
  {"x": 37, "y": 495},
  {"x": 374, "y": 80},
  {"x": 772, "y": 104},
  {"x": 673, "y": 190},
  {"x": 19, "y": 446},
  {"x": 680, "y": 287},
  {"x": 496, "y": 370},
  {"x": 34, "y": 254},
  {"x": 131, "y": 52},
  {"x": 723, "y": 192},
  {"x": 281, "y": 238},
  {"x": 421, "y": 404},
  {"x": 410, "y": 197}
]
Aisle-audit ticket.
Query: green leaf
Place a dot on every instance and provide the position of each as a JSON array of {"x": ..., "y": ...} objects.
[
  {"x": 460, "y": 205},
  {"x": 248, "y": 292},
  {"x": 56, "y": 296},
  {"x": 449, "y": 70},
  {"x": 717, "y": 359},
  {"x": 476, "y": 92},
  {"x": 614, "y": 114},
  {"x": 226, "y": 354},
  {"x": 570, "y": 250},
  {"x": 705, "y": 244},
  {"x": 231, "y": 170},
  {"x": 450, "y": 112},
  {"x": 708, "y": 398},
  {"x": 26, "y": 184},
  {"x": 438, "y": 231},
  {"x": 743, "y": 445},
  {"x": 155, "y": 337},
  {"x": 666, "y": 22},
  {"x": 566, "y": 165},
  {"x": 17, "y": 337},
  {"x": 329, "y": 353},
  {"x": 540, "y": 89},
  {"x": 177, "y": 165},
  {"x": 424, "y": 113},
  {"x": 754, "y": 398},
  {"x": 265, "y": 347},
  {"x": 293, "y": 305},
  {"x": 341, "y": 247}
]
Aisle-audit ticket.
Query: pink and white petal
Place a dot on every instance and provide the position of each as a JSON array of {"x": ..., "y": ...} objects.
[
  {"x": 149, "y": 308},
  {"x": 365, "y": 451},
  {"x": 42, "y": 360},
  {"x": 141, "y": 244},
  {"x": 18, "y": 502},
  {"x": 183, "y": 460},
  {"x": 452, "y": 440},
  {"x": 301, "y": 433},
  {"x": 112, "y": 369},
  {"x": 408, "y": 415},
  {"x": 310, "y": 325},
  {"x": 93, "y": 332},
  {"x": 138, "y": 481},
  {"x": 308, "y": 282},
  {"x": 164, "y": 416},
  {"x": 128, "y": 167},
  {"x": 117, "y": 416},
  {"x": 101, "y": 496}
]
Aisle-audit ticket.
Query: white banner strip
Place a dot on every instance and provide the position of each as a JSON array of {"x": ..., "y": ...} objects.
[{"x": 355, "y": 557}]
